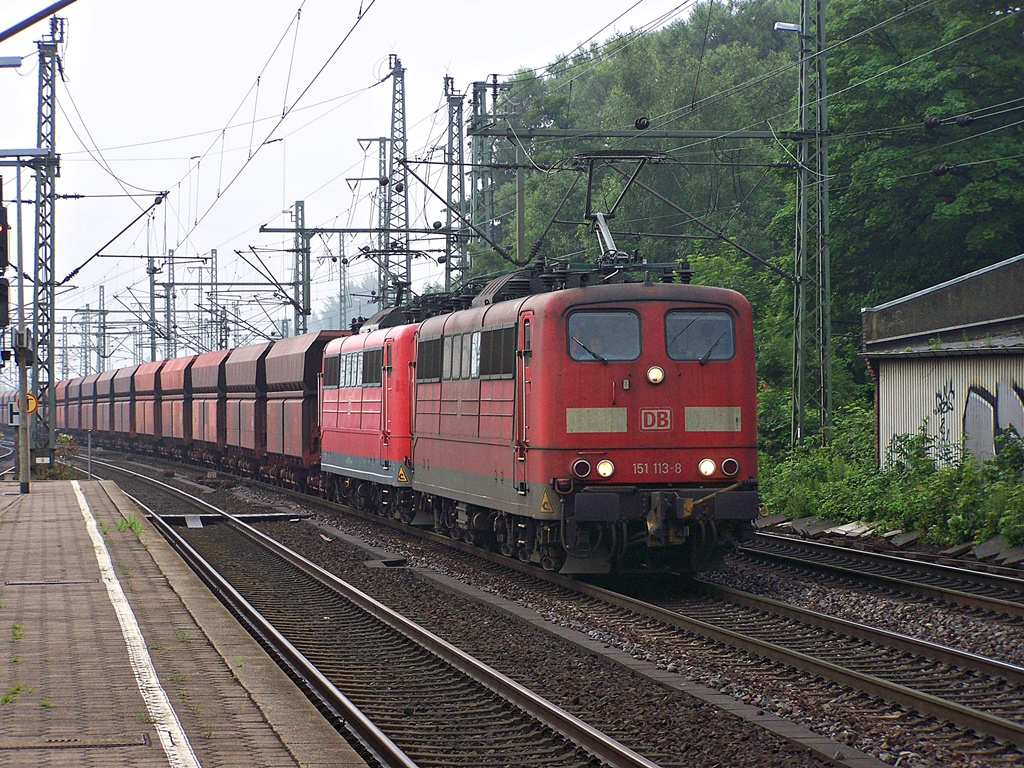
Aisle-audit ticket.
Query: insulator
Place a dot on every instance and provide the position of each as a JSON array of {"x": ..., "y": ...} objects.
[
  {"x": 940, "y": 170},
  {"x": 931, "y": 121},
  {"x": 964, "y": 120},
  {"x": 642, "y": 123}
]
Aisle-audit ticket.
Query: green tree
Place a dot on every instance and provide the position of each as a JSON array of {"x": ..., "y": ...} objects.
[{"x": 897, "y": 227}]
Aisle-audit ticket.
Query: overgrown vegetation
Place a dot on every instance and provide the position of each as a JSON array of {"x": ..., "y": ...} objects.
[
  {"x": 66, "y": 451},
  {"x": 950, "y": 504}
]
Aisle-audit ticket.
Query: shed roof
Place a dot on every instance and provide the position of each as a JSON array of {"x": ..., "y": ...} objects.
[{"x": 980, "y": 313}]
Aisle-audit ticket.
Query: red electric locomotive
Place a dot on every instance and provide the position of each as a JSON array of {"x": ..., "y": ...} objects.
[
  {"x": 585, "y": 429},
  {"x": 366, "y": 419}
]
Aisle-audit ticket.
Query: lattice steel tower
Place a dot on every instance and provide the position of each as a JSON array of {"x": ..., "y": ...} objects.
[
  {"x": 812, "y": 307},
  {"x": 44, "y": 312},
  {"x": 397, "y": 257},
  {"x": 455, "y": 249}
]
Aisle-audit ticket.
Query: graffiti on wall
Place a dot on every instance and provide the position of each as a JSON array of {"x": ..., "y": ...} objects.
[
  {"x": 987, "y": 414},
  {"x": 945, "y": 404}
]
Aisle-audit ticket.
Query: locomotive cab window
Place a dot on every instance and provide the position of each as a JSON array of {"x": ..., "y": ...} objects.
[
  {"x": 604, "y": 335},
  {"x": 332, "y": 371},
  {"x": 700, "y": 335}
]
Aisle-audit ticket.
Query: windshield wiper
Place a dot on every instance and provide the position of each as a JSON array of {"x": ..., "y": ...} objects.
[
  {"x": 707, "y": 354},
  {"x": 588, "y": 349},
  {"x": 684, "y": 329}
]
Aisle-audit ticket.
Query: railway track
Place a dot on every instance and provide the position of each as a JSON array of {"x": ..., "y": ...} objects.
[
  {"x": 999, "y": 594},
  {"x": 977, "y": 693},
  {"x": 944, "y": 685},
  {"x": 412, "y": 698}
]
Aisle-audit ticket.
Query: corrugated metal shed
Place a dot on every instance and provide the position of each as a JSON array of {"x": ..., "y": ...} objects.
[{"x": 950, "y": 360}]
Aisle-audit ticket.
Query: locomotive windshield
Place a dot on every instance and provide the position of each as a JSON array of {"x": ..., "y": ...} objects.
[
  {"x": 604, "y": 336},
  {"x": 699, "y": 335}
]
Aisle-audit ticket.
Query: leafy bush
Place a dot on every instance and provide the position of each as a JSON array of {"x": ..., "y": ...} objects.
[
  {"x": 959, "y": 501},
  {"x": 65, "y": 453}
]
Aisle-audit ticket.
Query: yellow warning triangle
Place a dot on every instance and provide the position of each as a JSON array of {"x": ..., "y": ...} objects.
[
  {"x": 402, "y": 477},
  {"x": 545, "y": 505}
]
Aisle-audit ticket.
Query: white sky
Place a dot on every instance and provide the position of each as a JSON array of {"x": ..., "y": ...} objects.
[{"x": 151, "y": 86}]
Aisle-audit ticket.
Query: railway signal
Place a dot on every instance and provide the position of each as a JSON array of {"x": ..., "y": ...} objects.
[
  {"x": 4, "y": 240},
  {"x": 5, "y": 303}
]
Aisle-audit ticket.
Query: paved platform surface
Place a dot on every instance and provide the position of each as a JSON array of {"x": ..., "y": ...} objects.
[{"x": 113, "y": 653}]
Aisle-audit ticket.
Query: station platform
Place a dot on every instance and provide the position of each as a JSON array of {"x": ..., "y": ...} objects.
[{"x": 113, "y": 653}]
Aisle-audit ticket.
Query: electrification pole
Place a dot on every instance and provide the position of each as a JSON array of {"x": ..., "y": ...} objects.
[
  {"x": 151, "y": 270},
  {"x": 170, "y": 320},
  {"x": 383, "y": 219},
  {"x": 400, "y": 264},
  {"x": 216, "y": 315},
  {"x": 812, "y": 306},
  {"x": 342, "y": 284},
  {"x": 101, "y": 337},
  {"x": 65, "y": 372},
  {"x": 481, "y": 173},
  {"x": 44, "y": 314},
  {"x": 301, "y": 292},
  {"x": 454, "y": 249}
]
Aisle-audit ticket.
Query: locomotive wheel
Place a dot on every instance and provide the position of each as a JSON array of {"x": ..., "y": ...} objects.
[
  {"x": 362, "y": 497},
  {"x": 449, "y": 522}
]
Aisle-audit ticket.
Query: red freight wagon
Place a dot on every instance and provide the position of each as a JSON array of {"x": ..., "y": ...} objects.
[
  {"x": 60, "y": 393},
  {"x": 105, "y": 402},
  {"x": 175, "y": 386},
  {"x": 146, "y": 402},
  {"x": 366, "y": 429},
  {"x": 245, "y": 379},
  {"x": 209, "y": 426},
  {"x": 293, "y": 368},
  {"x": 124, "y": 413},
  {"x": 88, "y": 403},
  {"x": 73, "y": 417}
]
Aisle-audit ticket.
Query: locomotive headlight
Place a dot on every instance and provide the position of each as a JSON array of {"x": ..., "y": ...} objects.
[
  {"x": 605, "y": 468},
  {"x": 730, "y": 467},
  {"x": 706, "y": 467},
  {"x": 655, "y": 374}
]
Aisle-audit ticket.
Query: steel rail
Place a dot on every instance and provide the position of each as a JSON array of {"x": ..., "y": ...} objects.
[
  {"x": 945, "y": 594},
  {"x": 375, "y": 740},
  {"x": 944, "y": 653},
  {"x": 598, "y": 744},
  {"x": 924, "y": 703}
]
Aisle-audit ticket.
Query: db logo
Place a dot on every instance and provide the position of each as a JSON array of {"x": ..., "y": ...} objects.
[{"x": 655, "y": 418}]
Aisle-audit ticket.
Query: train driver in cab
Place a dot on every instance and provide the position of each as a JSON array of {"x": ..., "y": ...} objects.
[{"x": 604, "y": 336}]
